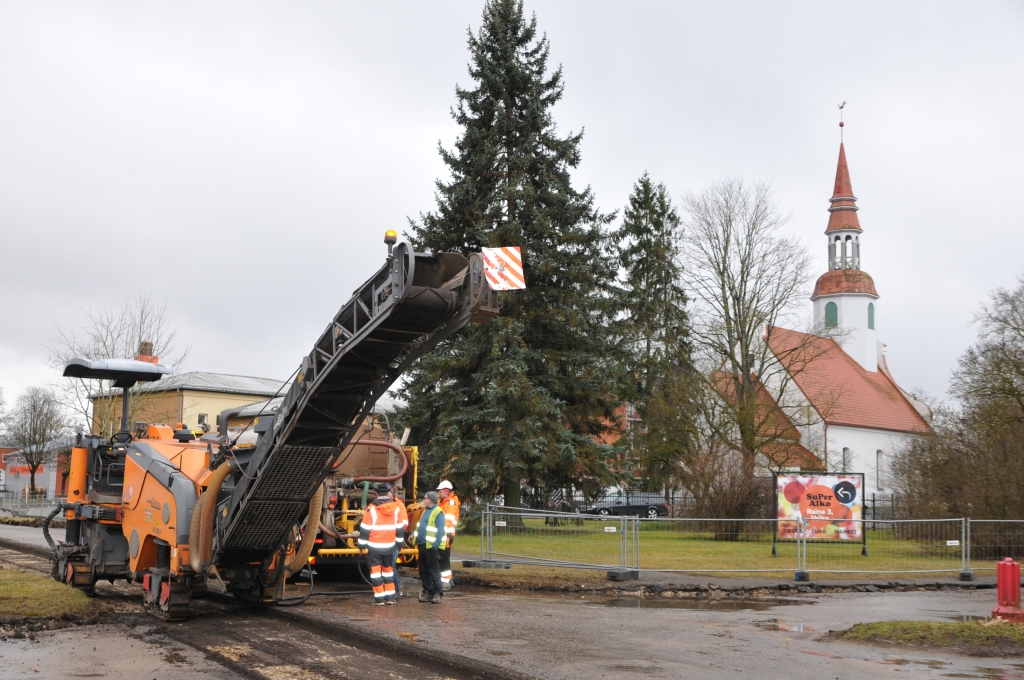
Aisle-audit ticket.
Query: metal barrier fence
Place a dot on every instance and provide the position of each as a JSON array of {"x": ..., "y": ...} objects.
[
  {"x": 631, "y": 544},
  {"x": 890, "y": 546},
  {"x": 713, "y": 545},
  {"x": 991, "y": 540},
  {"x": 16, "y": 505},
  {"x": 561, "y": 539}
]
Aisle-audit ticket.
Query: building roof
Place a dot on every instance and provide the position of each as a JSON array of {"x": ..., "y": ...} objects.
[
  {"x": 840, "y": 389},
  {"x": 844, "y": 281},
  {"x": 843, "y": 212},
  {"x": 201, "y": 381},
  {"x": 385, "y": 403},
  {"x": 780, "y": 438}
]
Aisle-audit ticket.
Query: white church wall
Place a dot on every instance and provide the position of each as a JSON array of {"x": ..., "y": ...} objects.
[
  {"x": 856, "y": 339},
  {"x": 863, "y": 445}
]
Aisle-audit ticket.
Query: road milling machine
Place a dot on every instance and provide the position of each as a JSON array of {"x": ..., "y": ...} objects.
[{"x": 156, "y": 506}]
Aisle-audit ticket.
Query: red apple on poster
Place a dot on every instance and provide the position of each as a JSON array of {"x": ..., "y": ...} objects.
[{"x": 793, "y": 491}]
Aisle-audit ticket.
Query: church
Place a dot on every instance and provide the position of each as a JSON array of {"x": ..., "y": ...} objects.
[{"x": 857, "y": 415}]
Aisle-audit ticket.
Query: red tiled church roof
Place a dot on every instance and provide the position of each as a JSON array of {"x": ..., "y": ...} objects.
[
  {"x": 843, "y": 213},
  {"x": 839, "y": 388},
  {"x": 781, "y": 439},
  {"x": 844, "y": 281}
]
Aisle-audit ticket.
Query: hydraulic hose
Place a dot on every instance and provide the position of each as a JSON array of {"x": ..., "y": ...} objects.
[
  {"x": 46, "y": 526},
  {"x": 308, "y": 538},
  {"x": 200, "y": 543},
  {"x": 327, "y": 530}
]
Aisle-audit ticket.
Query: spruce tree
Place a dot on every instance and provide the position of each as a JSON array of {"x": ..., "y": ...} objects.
[
  {"x": 528, "y": 394},
  {"x": 653, "y": 328}
]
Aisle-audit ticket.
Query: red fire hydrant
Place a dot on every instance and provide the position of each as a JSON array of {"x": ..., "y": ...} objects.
[{"x": 1008, "y": 586}]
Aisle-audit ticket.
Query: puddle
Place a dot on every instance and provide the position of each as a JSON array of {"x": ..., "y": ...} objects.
[
  {"x": 965, "y": 618},
  {"x": 733, "y": 604},
  {"x": 920, "y": 662},
  {"x": 635, "y": 669},
  {"x": 779, "y": 624}
]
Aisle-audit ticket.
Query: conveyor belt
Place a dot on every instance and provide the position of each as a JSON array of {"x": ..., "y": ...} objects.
[{"x": 403, "y": 311}]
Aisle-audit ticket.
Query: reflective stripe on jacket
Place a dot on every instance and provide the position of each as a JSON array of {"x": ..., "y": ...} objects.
[
  {"x": 430, "y": 528},
  {"x": 450, "y": 507},
  {"x": 382, "y": 526},
  {"x": 403, "y": 520}
]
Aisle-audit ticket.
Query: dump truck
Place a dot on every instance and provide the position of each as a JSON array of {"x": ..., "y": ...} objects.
[{"x": 157, "y": 506}]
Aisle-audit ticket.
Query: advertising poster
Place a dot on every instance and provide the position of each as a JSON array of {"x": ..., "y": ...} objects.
[{"x": 826, "y": 503}]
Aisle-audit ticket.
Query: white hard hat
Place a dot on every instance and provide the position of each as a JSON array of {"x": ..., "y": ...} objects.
[{"x": 445, "y": 484}]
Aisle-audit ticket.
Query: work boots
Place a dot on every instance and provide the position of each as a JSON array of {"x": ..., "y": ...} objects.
[
  {"x": 446, "y": 587},
  {"x": 436, "y": 599},
  {"x": 424, "y": 597}
]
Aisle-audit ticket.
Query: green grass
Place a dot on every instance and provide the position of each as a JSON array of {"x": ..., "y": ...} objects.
[
  {"x": 30, "y": 522},
  {"x": 27, "y": 595},
  {"x": 666, "y": 547},
  {"x": 969, "y": 637}
]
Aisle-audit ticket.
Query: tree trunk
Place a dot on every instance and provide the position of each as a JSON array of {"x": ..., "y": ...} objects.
[
  {"x": 32, "y": 478},
  {"x": 513, "y": 501}
]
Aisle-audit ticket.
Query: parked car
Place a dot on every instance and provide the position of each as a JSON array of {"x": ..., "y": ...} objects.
[{"x": 630, "y": 503}]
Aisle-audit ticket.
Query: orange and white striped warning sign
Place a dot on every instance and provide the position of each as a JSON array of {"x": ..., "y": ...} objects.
[{"x": 503, "y": 268}]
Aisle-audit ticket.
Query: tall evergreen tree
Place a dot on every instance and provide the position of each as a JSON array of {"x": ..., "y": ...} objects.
[
  {"x": 653, "y": 328},
  {"x": 527, "y": 395}
]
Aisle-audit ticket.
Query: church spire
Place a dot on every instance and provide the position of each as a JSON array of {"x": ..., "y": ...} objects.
[
  {"x": 843, "y": 211},
  {"x": 844, "y": 296}
]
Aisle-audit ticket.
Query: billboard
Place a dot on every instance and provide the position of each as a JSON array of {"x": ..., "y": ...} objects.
[{"x": 826, "y": 504}]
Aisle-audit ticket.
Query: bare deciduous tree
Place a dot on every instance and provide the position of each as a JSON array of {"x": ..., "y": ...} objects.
[
  {"x": 744, "y": 277},
  {"x": 111, "y": 334},
  {"x": 34, "y": 426},
  {"x": 973, "y": 465}
]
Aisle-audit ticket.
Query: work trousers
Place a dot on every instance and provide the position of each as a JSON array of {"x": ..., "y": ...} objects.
[
  {"x": 444, "y": 555},
  {"x": 394, "y": 562},
  {"x": 430, "y": 570},
  {"x": 382, "y": 576}
]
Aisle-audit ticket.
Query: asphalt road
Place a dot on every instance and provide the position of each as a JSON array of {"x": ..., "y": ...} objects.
[{"x": 561, "y": 637}]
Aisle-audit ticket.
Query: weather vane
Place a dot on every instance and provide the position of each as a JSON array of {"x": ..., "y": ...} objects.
[{"x": 841, "y": 122}]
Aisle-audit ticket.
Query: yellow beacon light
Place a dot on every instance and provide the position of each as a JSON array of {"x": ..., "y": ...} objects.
[{"x": 391, "y": 238}]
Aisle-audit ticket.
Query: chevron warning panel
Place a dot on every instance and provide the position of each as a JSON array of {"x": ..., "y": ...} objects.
[{"x": 503, "y": 268}]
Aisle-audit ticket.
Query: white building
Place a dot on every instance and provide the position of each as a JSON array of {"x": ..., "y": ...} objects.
[{"x": 857, "y": 415}]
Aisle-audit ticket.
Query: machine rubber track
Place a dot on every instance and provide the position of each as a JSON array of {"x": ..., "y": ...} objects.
[{"x": 176, "y": 607}]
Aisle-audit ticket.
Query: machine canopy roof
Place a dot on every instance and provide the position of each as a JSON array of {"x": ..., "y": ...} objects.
[{"x": 124, "y": 372}]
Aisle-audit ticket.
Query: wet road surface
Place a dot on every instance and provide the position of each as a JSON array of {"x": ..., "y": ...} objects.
[{"x": 577, "y": 636}]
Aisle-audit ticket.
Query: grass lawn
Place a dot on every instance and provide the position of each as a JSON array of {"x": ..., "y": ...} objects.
[
  {"x": 667, "y": 546},
  {"x": 27, "y": 595},
  {"x": 1003, "y": 639}
]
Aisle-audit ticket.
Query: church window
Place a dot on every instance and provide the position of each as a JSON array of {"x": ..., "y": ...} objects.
[
  {"x": 880, "y": 469},
  {"x": 846, "y": 460},
  {"x": 871, "y": 315},
  {"x": 831, "y": 315}
]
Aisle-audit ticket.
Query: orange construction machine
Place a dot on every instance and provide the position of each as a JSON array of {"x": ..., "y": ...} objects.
[{"x": 156, "y": 506}]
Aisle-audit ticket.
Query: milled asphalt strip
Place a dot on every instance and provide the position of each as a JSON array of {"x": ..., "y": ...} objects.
[{"x": 351, "y": 635}]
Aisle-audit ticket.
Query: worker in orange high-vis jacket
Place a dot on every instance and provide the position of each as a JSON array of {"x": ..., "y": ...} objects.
[
  {"x": 403, "y": 521},
  {"x": 381, "y": 529},
  {"x": 450, "y": 505}
]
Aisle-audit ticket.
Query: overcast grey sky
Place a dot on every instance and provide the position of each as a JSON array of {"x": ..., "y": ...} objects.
[{"x": 241, "y": 161}]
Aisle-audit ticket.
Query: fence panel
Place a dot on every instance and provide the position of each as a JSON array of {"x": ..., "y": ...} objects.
[
  {"x": 18, "y": 506},
  {"x": 892, "y": 546},
  {"x": 991, "y": 540},
  {"x": 713, "y": 545},
  {"x": 560, "y": 539}
]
